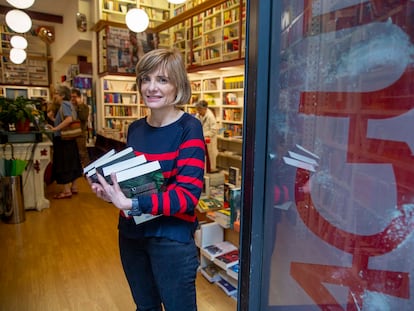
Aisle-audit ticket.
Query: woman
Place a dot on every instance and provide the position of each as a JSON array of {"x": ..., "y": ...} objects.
[
  {"x": 159, "y": 257},
  {"x": 66, "y": 162}
]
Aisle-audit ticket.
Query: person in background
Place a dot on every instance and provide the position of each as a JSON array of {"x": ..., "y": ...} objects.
[
  {"x": 52, "y": 109},
  {"x": 82, "y": 111},
  {"x": 66, "y": 162},
  {"x": 209, "y": 122},
  {"x": 159, "y": 257}
]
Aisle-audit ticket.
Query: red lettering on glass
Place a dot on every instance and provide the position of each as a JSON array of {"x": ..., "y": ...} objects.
[{"x": 387, "y": 103}]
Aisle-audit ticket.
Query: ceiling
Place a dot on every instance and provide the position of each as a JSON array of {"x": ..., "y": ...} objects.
[{"x": 57, "y": 7}]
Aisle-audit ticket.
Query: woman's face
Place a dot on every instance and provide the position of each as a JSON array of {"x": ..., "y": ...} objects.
[
  {"x": 157, "y": 90},
  {"x": 57, "y": 98}
]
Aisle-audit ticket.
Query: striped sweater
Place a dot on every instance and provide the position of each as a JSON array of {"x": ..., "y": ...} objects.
[{"x": 180, "y": 149}]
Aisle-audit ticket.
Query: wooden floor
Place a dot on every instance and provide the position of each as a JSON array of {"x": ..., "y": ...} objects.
[{"x": 66, "y": 258}]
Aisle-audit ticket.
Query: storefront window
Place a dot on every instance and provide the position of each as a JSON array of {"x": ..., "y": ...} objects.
[{"x": 340, "y": 196}]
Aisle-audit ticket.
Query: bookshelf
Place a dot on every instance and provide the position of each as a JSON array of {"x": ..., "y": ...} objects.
[
  {"x": 33, "y": 71},
  {"x": 13, "y": 91},
  {"x": 115, "y": 10},
  {"x": 119, "y": 105},
  {"x": 213, "y": 36},
  {"x": 223, "y": 90},
  {"x": 211, "y": 233}
]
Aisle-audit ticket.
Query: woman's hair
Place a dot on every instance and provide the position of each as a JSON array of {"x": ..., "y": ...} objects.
[
  {"x": 77, "y": 92},
  {"x": 171, "y": 62},
  {"x": 63, "y": 91}
]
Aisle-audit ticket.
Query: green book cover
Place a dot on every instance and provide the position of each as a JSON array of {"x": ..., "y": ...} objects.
[{"x": 143, "y": 179}]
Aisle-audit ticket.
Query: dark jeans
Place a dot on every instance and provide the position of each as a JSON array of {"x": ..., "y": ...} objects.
[{"x": 159, "y": 271}]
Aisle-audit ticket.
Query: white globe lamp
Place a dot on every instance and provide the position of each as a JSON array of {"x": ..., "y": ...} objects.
[
  {"x": 137, "y": 20},
  {"x": 18, "y": 21},
  {"x": 21, "y": 4},
  {"x": 18, "y": 42},
  {"x": 17, "y": 56}
]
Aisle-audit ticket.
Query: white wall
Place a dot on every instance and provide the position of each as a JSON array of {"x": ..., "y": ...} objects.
[{"x": 67, "y": 37}]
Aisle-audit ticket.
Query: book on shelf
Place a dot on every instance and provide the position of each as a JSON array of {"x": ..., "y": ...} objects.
[
  {"x": 234, "y": 176},
  {"x": 233, "y": 271},
  {"x": 210, "y": 272},
  {"x": 226, "y": 194},
  {"x": 214, "y": 250},
  {"x": 235, "y": 205},
  {"x": 226, "y": 260},
  {"x": 206, "y": 186},
  {"x": 209, "y": 204},
  {"x": 226, "y": 286},
  {"x": 222, "y": 217},
  {"x": 143, "y": 179}
]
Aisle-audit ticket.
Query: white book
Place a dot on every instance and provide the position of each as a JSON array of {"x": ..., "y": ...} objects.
[
  {"x": 120, "y": 166},
  {"x": 114, "y": 157},
  {"x": 120, "y": 156},
  {"x": 302, "y": 158},
  {"x": 300, "y": 164},
  {"x": 139, "y": 170},
  {"x": 92, "y": 165}
]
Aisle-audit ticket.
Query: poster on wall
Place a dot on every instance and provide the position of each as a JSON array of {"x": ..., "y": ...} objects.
[
  {"x": 125, "y": 48},
  {"x": 339, "y": 235}
]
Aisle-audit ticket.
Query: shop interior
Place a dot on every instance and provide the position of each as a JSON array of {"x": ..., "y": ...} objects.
[{"x": 63, "y": 254}]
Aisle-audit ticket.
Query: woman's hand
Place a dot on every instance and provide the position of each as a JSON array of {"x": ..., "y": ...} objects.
[{"x": 111, "y": 193}]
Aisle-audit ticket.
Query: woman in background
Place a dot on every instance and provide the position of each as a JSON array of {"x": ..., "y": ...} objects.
[{"x": 66, "y": 162}]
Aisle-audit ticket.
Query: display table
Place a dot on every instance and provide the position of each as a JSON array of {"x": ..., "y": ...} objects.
[{"x": 38, "y": 155}]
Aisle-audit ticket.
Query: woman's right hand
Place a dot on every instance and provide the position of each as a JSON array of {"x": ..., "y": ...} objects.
[{"x": 111, "y": 193}]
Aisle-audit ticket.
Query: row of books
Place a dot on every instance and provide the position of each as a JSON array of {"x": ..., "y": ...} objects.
[{"x": 135, "y": 175}]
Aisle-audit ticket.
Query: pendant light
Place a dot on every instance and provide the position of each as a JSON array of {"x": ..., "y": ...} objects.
[
  {"x": 18, "y": 42},
  {"x": 18, "y": 21},
  {"x": 17, "y": 56},
  {"x": 177, "y": 1},
  {"x": 137, "y": 20},
  {"x": 21, "y": 4}
]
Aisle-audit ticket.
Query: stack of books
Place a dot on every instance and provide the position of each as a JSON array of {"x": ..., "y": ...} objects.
[
  {"x": 210, "y": 272},
  {"x": 227, "y": 260},
  {"x": 135, "y": 175},
  {"x": 222, "y": 217},
  {"x": 214, "y": 250},
  {"x": 233, "y": 271},
  {"x": 229, "y": 288},
  {"x": 209, "y": 204}
]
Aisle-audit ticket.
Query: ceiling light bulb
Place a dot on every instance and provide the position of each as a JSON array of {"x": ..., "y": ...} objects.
[
  {"x": 17, "y": 56},
  {"x": 21, "y": 4},
  {"x": 137, "y": 20},
  {"x": 177, "y": 1},
  {"x": 18, "y": 21},
  {"x": 18, "y": 42}
]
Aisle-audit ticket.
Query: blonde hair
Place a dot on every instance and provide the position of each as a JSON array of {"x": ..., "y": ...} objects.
[{"x": 171, "y": 62}]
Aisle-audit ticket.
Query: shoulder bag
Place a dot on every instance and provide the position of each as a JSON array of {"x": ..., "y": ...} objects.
[{"x": 71, "y": 131}]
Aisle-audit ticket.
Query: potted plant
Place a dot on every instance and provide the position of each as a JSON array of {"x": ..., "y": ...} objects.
[{"x": 17, "y": 114}]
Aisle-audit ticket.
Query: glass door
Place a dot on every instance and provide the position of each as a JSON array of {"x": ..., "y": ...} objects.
[{"x": 339, "y": 159}]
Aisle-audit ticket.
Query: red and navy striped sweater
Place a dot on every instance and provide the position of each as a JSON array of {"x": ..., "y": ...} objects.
[{"x": 180, "y": 149}]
